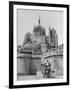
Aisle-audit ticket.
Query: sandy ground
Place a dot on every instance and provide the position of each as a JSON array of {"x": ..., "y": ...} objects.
[{"x": 33, "y": 77}]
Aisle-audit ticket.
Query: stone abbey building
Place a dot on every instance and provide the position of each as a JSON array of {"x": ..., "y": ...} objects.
[{"x": 39, "y": 48}]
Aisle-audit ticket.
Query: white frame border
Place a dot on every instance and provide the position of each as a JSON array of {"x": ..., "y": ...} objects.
[{"x": 27, "y": 82}]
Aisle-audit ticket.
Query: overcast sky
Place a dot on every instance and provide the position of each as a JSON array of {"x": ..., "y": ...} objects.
[{"x": 26, "y": 19}]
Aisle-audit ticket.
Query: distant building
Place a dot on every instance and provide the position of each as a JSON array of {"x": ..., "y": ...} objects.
[
  {"x": 38, "y": 49},
  {"x": 39, "y": 35},
  {"x": 53, "y": 38}
]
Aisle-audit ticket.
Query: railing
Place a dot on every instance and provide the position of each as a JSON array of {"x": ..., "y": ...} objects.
[{"x": 46, "y": 54}]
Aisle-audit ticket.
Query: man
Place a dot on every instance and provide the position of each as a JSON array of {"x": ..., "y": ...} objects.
[{"x": 47, "y": 69}]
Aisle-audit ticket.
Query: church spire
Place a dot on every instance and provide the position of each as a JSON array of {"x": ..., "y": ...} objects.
[{"x": 39, "y": 21}]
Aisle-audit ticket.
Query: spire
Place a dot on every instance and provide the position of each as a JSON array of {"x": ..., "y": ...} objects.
[{"x": 39, "y": 21}]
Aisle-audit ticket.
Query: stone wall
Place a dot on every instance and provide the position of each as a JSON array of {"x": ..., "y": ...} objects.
[
  {"x": 35, "y": 65},
  {"x": 56, "y": 64},
  {"x": 27, "y": 66},
  {"x": 24, "y": 66}
]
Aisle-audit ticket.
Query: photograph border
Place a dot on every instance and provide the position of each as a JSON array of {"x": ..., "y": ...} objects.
[{"x": 11, "y": 38}]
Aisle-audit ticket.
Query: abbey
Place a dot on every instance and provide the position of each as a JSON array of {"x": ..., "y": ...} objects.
[{"x": 37, "y": 49}]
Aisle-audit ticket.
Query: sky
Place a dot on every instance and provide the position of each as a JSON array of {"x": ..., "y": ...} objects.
[{"x": 27, "y": 19}]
